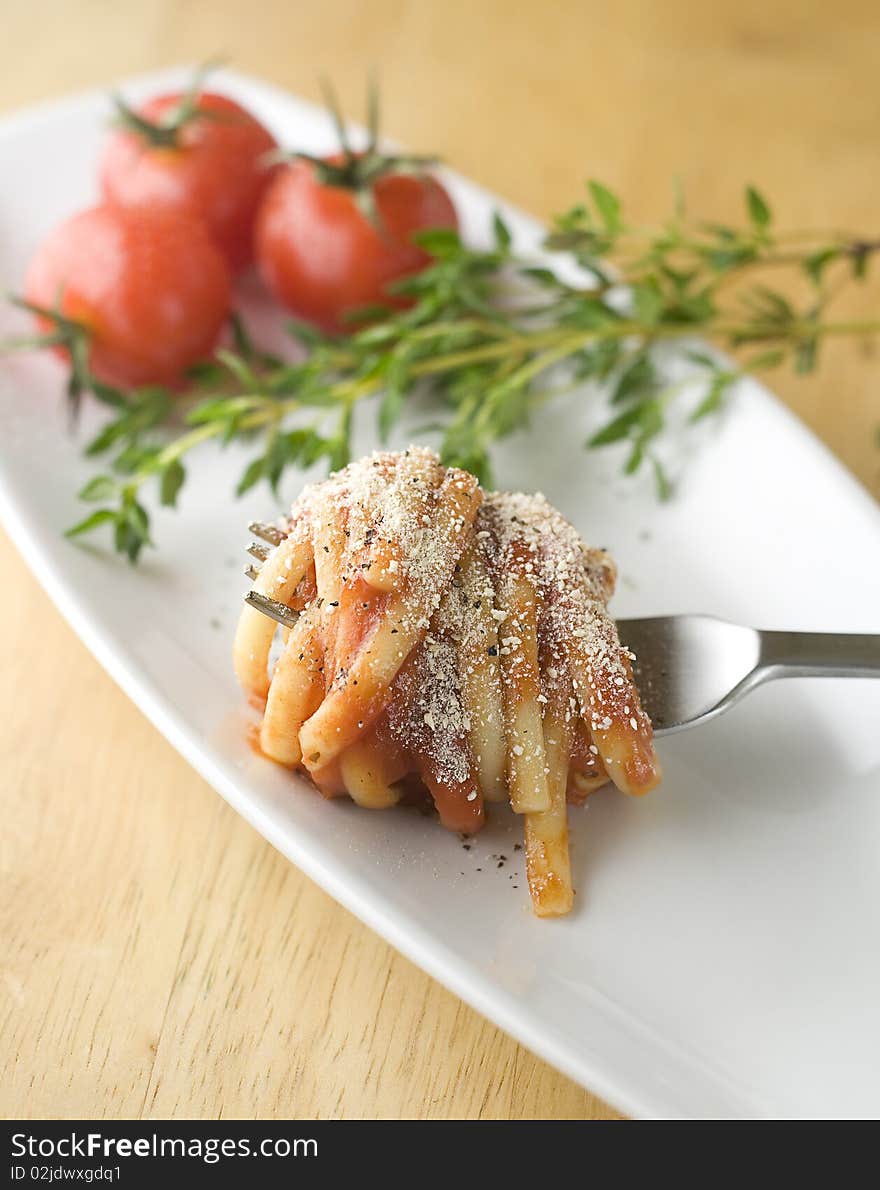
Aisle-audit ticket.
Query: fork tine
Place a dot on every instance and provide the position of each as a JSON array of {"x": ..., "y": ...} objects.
[
  {"x": 279, "y": 612},
  {"x": 252, "y": 572},
  {"x": 261, "y": 552},
  {"x": 270, "y": 533}
]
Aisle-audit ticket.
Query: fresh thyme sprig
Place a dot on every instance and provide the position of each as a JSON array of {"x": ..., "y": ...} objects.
[{"x": 490, "y": 337}]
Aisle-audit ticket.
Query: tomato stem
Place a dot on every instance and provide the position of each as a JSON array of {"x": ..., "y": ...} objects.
[
  {"x": 358, "y": 170},
  {"x": 165, "y": 133},
  {"x": 75, "y": 337}
]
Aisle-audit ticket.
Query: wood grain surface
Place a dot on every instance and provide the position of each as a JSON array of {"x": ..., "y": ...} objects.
[{"x": 157, "y": 958}]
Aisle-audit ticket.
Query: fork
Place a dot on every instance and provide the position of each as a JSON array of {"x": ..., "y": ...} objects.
[{"x": 688, "y": 669}]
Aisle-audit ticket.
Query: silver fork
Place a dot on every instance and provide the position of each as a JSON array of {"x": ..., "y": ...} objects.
[
  {"x": 691, "y": 668},
  {"x": 688, "y": 668}
]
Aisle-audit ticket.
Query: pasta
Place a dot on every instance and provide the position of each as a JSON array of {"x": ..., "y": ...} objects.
[{"x": 449, "y": 642}]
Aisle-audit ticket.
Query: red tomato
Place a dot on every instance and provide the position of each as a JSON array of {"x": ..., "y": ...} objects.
[
  {"x": 217, "y": 169},
  {"x": 323, "y": 258},
  {"x": 152, "y": 289}
]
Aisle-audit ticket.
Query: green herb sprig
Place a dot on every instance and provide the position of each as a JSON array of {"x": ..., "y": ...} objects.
[{"x": 488, "y": 339}]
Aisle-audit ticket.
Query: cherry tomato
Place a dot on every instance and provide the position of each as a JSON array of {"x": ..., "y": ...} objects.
[
  {"x": 323, "y": 258},
  {"x": 215, "y": 168},
  {"x": 151, "y": 289}
]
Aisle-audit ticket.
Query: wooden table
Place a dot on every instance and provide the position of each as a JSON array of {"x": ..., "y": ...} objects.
[{"x": 158, "y": 958}]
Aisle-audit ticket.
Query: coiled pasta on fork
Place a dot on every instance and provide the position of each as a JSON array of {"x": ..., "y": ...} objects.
[{"x": 450, "y": 642}]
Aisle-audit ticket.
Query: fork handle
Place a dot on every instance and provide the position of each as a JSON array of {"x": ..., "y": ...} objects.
[{"x": 832, "y": 654}]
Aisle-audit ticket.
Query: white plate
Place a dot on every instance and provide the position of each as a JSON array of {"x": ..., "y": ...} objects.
[{"x": 723, "y": 958}]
